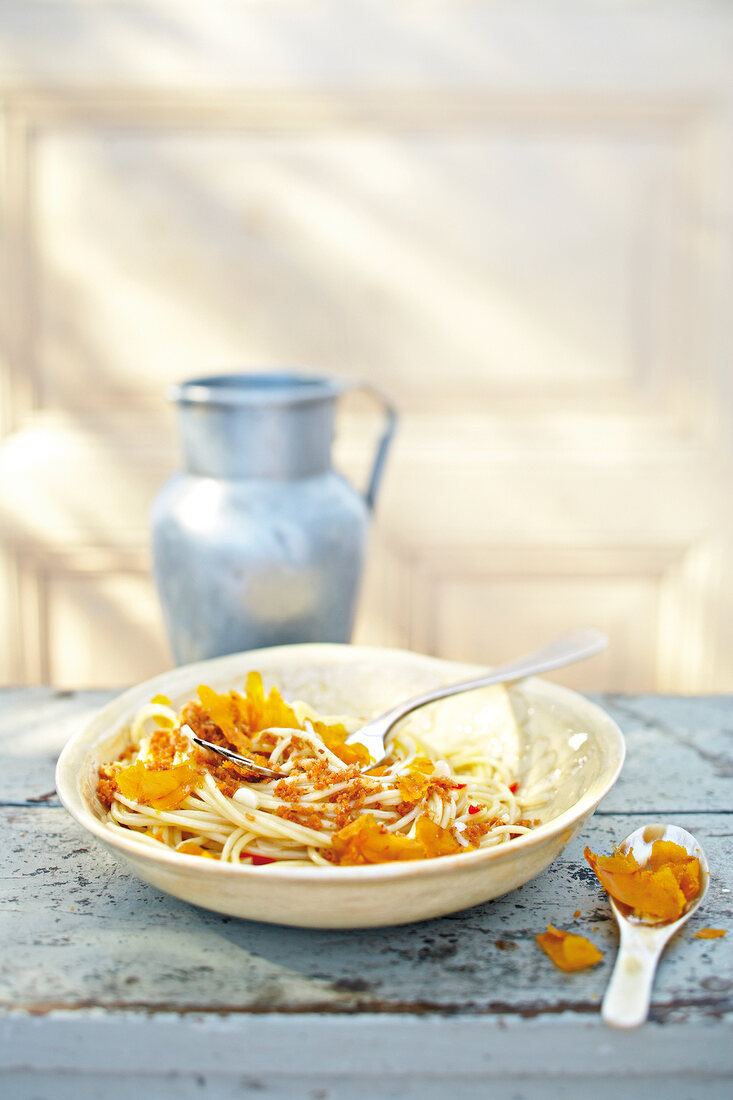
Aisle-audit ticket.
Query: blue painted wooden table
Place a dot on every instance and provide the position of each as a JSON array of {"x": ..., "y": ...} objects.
[{"x": 109, "y": 988}]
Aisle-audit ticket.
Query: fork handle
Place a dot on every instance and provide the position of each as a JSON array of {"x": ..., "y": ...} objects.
[{"x": 570, "y": 647}]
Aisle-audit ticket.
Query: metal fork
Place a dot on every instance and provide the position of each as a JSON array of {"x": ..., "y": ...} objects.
[
  {"x": 573, "y": 646},
  {"x": 566, "y": 649},
  {"x": 235, "y": 757}
]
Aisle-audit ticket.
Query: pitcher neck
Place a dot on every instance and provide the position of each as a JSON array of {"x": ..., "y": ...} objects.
[{"x": 275, "y": 425}]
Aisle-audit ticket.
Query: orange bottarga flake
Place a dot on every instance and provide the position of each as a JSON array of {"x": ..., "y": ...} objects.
[
  {"x": 421, "y": 784},
  {"x": 162, "y": 790},
  {"x": 331, "y": 735},
  {"x": 684, "y": 867},
  {"x": 261, "y": 711},
  {"x": 382, "y": 769},
  {"x": 238, "y": 716},
  {"x": 366, "y": 841},
  {"x": 352, "y": 754},
  {"x": 666, "y": 851},
  {"x": 190, "y": 848},
  {"x": 709, "y": 933},
  {"x": 235, "y": 714},
  {"x": 435, "y": 840},
  {"x": 660, "y": 890},
  {"x": 688, "y": 878},
  {"x": 422, "y": 764},
  {"x": 334, "y": 738},
  {"x": 568, "y": 951},
  {"x": 413, "y": 787},
  {"x": 620, "y": 863},
  {"x": 225, "y": 711}
]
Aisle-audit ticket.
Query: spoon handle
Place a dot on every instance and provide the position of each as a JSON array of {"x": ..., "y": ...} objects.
[{"x": 626, "y": 1003}]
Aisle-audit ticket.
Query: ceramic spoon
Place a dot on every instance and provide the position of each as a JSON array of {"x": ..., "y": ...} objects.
[{"x": 626, "y": 1003}]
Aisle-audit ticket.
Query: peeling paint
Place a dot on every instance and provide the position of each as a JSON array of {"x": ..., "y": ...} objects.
[{"x": 90, "y": 937}]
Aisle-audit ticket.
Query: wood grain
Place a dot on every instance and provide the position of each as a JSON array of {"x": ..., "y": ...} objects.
[{"x": 96, "y": 964}]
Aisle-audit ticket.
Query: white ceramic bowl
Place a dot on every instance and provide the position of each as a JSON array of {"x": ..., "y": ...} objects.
[{"x": 555, "y": 729}]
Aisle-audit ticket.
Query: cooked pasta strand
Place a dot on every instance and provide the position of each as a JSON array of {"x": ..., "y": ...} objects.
[{"x": 166, "y": 790}]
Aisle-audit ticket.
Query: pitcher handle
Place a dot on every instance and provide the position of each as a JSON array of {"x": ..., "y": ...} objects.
[{"x": 384, "y": 442}]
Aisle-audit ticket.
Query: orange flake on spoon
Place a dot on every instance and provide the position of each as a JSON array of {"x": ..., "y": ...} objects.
[{"x": 660, "y": 890}]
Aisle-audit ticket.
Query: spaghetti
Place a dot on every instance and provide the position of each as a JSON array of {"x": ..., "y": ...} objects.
[{"x": 326, "y": 810}]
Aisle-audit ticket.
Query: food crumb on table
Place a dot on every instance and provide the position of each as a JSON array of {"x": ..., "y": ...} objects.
[{"x": 567, "y": 950}]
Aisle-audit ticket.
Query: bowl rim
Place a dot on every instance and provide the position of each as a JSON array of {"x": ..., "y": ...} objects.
[{"x": 114, "y": 714}]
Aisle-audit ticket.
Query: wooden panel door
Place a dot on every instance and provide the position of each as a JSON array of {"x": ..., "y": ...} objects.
[{"x": 517, "y": 223}]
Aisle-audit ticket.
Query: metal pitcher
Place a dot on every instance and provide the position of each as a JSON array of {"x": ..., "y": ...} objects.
[{"x": 259, "y": 541}]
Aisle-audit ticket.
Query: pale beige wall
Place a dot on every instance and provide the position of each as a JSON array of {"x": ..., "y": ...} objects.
[{"x": 514, "y": 218}]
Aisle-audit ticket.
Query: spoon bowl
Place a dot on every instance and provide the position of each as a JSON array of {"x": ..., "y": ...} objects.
[{"x": 626, "y": 1003}]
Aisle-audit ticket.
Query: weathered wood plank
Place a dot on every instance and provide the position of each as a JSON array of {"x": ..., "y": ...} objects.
[
  {"x": 35, "y": 724},
  {"x": 110, "y": 1056},
  {"x": 107, "y": 985},
  {"x": 679, "y": 753},
  {"x": 85, "y": 931}
]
